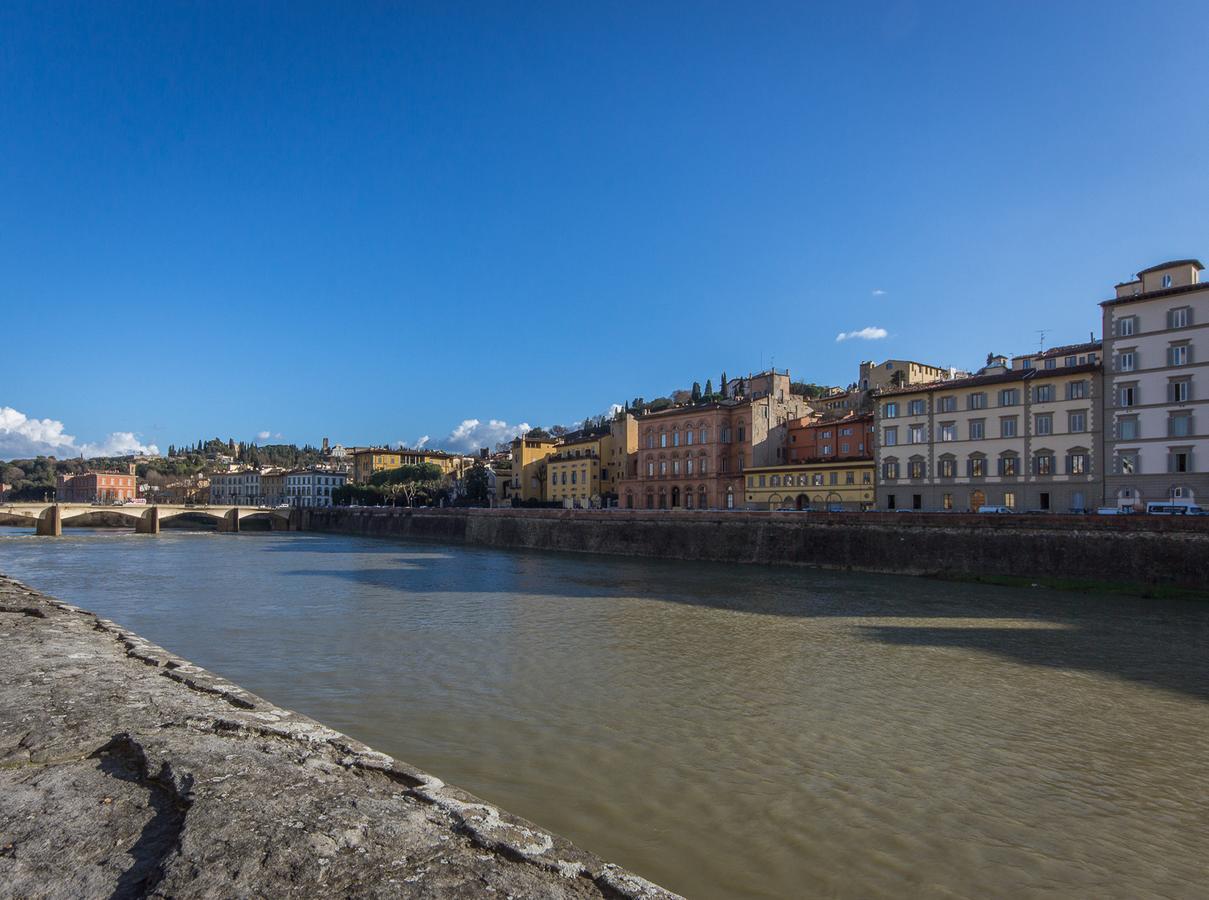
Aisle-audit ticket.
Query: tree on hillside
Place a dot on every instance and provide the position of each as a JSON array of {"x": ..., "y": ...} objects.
[
  {"x": 696, "y": 392},
  {"x": 722, "y": 386},
  {"x": 709, "y": 388},
  {"x": 424, "y": 479}
]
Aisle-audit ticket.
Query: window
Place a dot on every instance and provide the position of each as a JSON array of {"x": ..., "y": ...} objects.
[
  {"x": 1179, "y": 459},
  {"x": 891, "y": 411},
  {"x": 834, "y": 478},
  {"x": 948, "y": 431},
  {"x": 704, "y": 435},
  {"x": 849, "y": 478},
  {"x": 1051, "y": 363},
  {"x": 917, "y": 434},
  {"x": 826, "y": 449},
  {"x": 915, "y": 408},
  {"x": 1179, "y": 318},
  {"x": 977, "y": 429},
  {"x": 866, "y": 478},
  {"x": 915, "y": 468},
  {"x": 1127, "y": 395},
  {"x": 1127, "y": 462},
  {"x": 890, "y": 503},
  {"x": 1177, "y": 355},
  {"x": 889, "y": 471},
  {"x": 741, "y": 434},
  {"x": 1009, "y": 397},
  {"x": 890, "y": 438},
  {"x": 1076, "y": 463},
  {"x": 1070, "y": 361},
  {"x": 946, "y": 501},
  {"x": 663, "y": 467},
  {"x": 947, "y": 467},
  {"x": 1166, "y": 281},
  {"x": 976, "y": 467},
  {"x": 676, "y": 438},
  {"x": 688, "y": 466},
  {"x": 1179, "y": 425},
  {"x": 1179, "y": 391},
  {"x": 1044, "y": 393},
  {"x": 1009, "y": 465},
  {"x": 977, "y": 401},
  {"x": 1007, "y": 426},
  {"x": 1026, "y": 363},
  {"x": 1126, "y": 326},
  {"x": 675, "y": 467},
  {"x": 703, "y": 466},
  {"x": 776, "y": 481},
  {"x": 1009, "y": 499},
  {"x": 1127, "y": 428},
  {"x": 688, "y": 437},
  {"x": 650, "y": 469},
  {"x": 1127, "y": 360},
  {"x": 1076, "y": 421},
  {"x": 1043, "y": 463},
  {"x": 948, "y": 404},
  {"x": 816, "y": 480},
  {"x": 1044, "y": 423}
]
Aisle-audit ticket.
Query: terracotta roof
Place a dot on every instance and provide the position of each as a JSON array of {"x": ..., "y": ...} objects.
[
  {"x": 1171, "y": 264},
  {"x": 1162, "y": 292},
  {"x": 1066, "y": 350}
]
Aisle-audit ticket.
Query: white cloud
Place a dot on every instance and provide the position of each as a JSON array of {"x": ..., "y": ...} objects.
[
  {"x": 263, "y": 435},
  {"x": 21, "y": 436},
  {"x": 422, "y": 442},
  {"x": 473, "y": 434},
  {"x": 865, "y": 334},
  {"x": 878, "y": 292}
]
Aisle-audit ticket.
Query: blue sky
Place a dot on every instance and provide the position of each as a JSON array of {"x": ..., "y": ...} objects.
[{"x": 373, "y": 223}]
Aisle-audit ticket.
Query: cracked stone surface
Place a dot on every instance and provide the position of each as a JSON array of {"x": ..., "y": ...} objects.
[{"x": 128, "y": 772}]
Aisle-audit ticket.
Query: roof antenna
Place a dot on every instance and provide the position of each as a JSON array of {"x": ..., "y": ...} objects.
[{"x": 1042, "y": 331}]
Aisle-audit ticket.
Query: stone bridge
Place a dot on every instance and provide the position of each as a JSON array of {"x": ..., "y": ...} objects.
[{"x": 48, "y": 518}]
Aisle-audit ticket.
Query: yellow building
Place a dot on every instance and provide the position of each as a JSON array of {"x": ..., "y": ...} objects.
[
  {"x": 450, "y": 464},
  {"x": 617, "y": 448},
  {"x": 374, "y": 459},
  {"x": 573, "y": 473},
  {"x": 529, "y": 456},
  {"x": 836, "y": 484}
]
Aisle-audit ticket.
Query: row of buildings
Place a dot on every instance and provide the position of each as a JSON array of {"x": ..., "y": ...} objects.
[{"x": 1118, "y": 421}]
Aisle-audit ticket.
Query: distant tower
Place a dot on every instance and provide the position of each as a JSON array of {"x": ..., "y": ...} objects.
[{"x": 326, "y": 447}]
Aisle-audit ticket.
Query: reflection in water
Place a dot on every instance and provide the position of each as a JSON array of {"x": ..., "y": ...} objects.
[{"x": 727, "y": 731}]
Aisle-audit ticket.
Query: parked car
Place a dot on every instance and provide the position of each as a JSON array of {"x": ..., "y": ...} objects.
[
  {"x": 996, "y": 509},
  {"x": 1114, "y": 511}
]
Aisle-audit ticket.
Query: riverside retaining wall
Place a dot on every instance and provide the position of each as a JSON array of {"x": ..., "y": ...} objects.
[
  {"x": 126, "y": 771},
  {"x": 1141, "y": 550}
]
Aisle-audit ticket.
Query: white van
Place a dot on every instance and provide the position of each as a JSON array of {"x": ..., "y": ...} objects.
[{"x": 995, "y": 509}]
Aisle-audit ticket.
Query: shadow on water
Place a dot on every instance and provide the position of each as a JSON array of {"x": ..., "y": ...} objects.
[{"x": 1161, "y": 643}]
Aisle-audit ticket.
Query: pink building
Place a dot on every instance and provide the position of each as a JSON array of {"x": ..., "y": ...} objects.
[{"x": 693, "y": 456}]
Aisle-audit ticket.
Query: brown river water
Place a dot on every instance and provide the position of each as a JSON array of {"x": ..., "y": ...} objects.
[{"x": 725, "y": 731}]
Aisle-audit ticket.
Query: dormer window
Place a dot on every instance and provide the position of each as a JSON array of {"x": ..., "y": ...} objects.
[{"x": 1166, "y": 281}]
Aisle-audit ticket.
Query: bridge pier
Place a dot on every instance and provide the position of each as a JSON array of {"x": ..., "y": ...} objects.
[
  {"x": 149, "y": 523},
  {"x": 50, "y": 523},
  {"x": 229, "y": 523}
]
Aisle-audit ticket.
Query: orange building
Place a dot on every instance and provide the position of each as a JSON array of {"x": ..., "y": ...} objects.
[
  {"x": 814, "y": 440},
  {"x": 96, "y": 487}
]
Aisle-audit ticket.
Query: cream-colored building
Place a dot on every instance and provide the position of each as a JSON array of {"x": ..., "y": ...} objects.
[
  {"x": 1156, "y": 337},
  {"x": 1025, "y": 435},
  {"x": 897, "y": 372}
]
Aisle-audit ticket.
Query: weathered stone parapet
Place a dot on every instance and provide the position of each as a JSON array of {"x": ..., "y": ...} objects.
[
  {"x": 1143, "y": 550},
  {"x": 127, "y": 771}
]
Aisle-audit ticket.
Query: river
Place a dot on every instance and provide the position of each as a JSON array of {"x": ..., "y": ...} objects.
[{"x": 725, "y": 731}]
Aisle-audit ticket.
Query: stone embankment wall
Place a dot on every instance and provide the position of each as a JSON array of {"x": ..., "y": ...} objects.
[
  {"x": 1142, "y": 550},
  {"x": 125, "y": 771}
]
